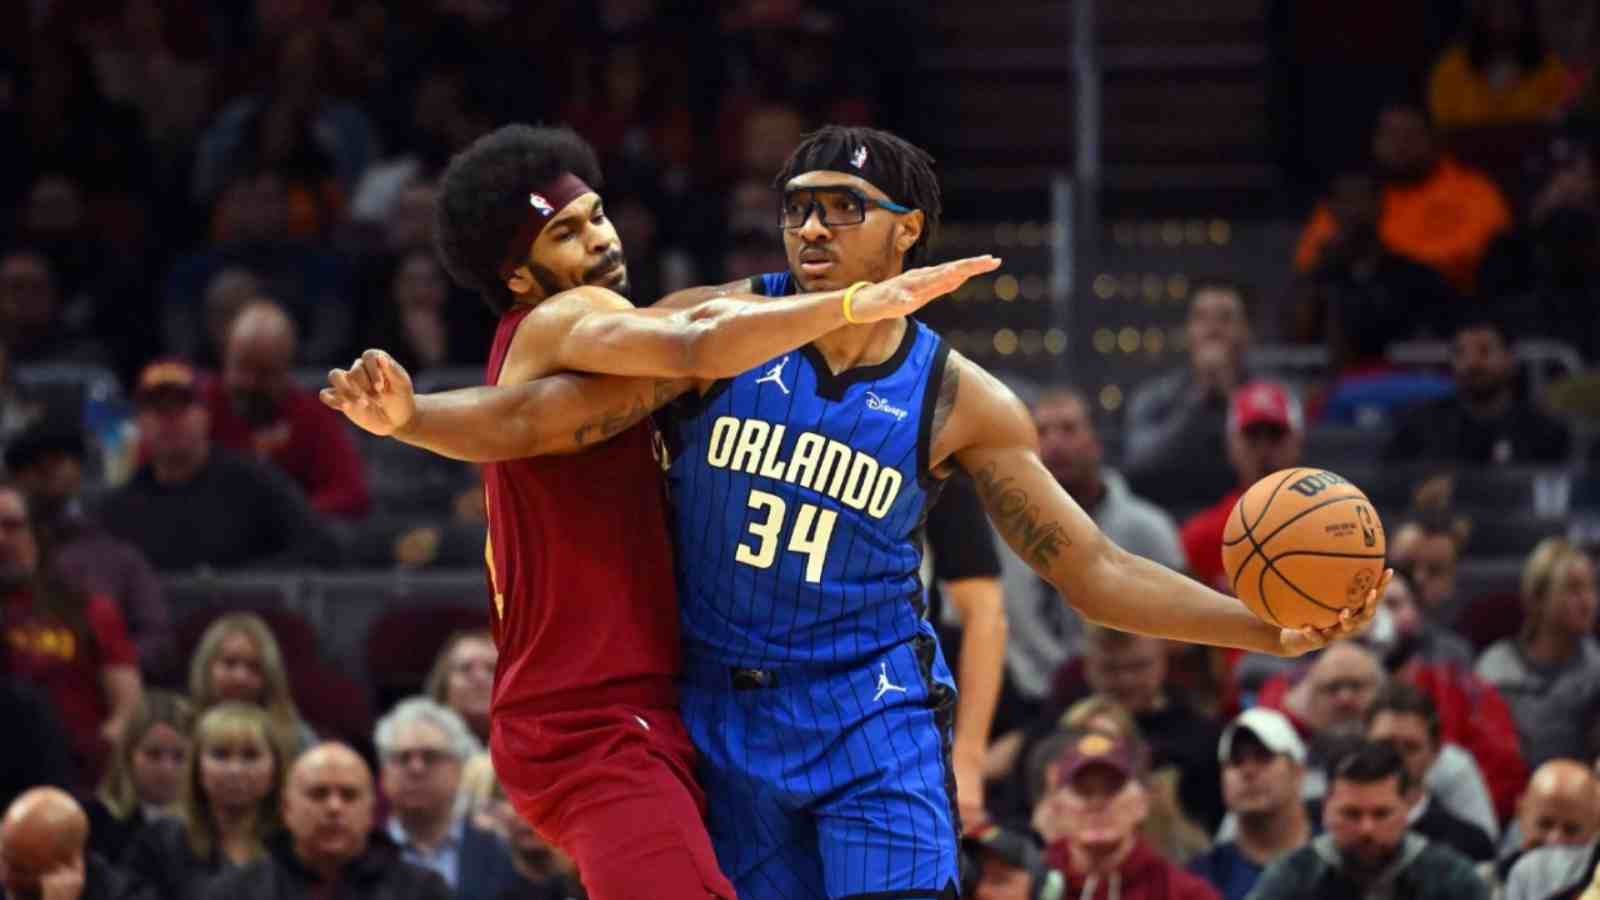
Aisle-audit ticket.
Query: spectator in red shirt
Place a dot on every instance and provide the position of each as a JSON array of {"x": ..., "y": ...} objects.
[
  {"x": 47, "y": 462},
  {"x": 257, "y": 409},
  {"x": 1332, "y": 696},
  {"x": 1266, "y": 432},
  {"x": 74, "y": 646},
  {"x": 1098, "y": 786}
]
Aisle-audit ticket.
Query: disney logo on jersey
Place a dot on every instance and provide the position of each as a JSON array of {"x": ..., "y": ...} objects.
[{"x": 874, "y": 402}]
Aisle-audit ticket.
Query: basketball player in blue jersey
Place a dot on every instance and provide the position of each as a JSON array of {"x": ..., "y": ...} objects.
[{"x": 813, "y": 688}]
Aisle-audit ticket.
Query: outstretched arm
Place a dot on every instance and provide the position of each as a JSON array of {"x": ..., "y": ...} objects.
[
  {"x": 541, "y": 406},
  {"x": 595, "y": 330},
  {"x": 990, "y": 434},
  {"x": 522, "y": 416},
  {"x": 562, "y": 413}
]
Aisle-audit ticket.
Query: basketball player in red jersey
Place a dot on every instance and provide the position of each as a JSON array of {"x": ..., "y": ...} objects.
[{"x": 584, "y": 731}]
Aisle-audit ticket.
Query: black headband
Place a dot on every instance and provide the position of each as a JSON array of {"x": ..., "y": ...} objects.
[{"x": 854, "y": 159}]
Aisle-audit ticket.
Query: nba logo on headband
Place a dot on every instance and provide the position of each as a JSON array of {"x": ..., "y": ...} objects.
[
  {"x": 537, "y": 201},
  {"x": 859, "y": 158}
]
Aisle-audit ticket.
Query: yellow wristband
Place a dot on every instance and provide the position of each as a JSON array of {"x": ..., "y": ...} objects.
[{"x": 849, "y": 294}]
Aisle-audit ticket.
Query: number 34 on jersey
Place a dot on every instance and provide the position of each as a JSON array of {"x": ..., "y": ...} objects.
[{"x": 847, "y": 476}]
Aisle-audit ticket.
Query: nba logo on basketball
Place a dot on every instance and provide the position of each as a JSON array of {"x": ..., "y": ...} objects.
[
  {"x": 1369, "y": 534},
  {"x": 859, "y": 158},
  {"x": 537, "y": 201}
]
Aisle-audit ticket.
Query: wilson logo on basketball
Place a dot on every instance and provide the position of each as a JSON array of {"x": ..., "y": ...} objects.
[
  {"x": 1316, "y": 483},
  {"x": 1301, "y": 546}
]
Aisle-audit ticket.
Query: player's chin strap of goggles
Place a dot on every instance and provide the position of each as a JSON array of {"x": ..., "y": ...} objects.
[{"x": 543, "y": 202}]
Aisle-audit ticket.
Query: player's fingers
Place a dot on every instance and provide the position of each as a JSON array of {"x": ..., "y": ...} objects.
[
  {"x": 330, "y": 398},
  {"x": 962, "y": 269},
  {"x": 393, "y": 375},
  {"x": 339, "y": 380},
  {"x": 361, "y": 379},
  {"x": 974, "y": 265},
  {"x": 959, "y": 272},
  {"x": 1312, "y": 637},
  {"x": 373, "y": 361}
]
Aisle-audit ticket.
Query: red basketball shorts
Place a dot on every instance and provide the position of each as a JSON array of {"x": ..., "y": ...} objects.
[{"x": 613, "y": 787}]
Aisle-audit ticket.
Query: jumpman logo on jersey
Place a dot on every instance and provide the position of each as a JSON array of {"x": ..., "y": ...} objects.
[
  {"x": 884, "y": 684},
  {"x": 775, "y": 375}
]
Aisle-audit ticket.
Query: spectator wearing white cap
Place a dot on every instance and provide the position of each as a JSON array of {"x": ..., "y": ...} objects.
[{"x": 1263, "y": 765}]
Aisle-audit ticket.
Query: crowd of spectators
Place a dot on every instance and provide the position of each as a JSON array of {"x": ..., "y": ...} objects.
[
  {"x": 210, "y": 199},
  {"x": 1452, "y": 749}
]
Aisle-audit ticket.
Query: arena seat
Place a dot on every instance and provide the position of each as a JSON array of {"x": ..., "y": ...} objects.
[
  {"x": 352, "y": 603},
  {"x": 1498, "y": 533},
  {"x": 335, "y": 705},
  {"x": 401, "y": 646},
  {"x": 232, "y": 589},
  {"x": 1490, "y": 617},
  {"x": 1341, "y": 447}
]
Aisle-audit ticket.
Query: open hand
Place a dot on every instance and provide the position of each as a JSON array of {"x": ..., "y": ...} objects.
[
  {"x": 910, "y": 291},
  {"x": 1352, "y": 621},
  {"x": 375, "y": 393}
]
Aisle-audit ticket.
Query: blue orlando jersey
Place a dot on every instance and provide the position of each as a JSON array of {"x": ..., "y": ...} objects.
[{"x": 799, "y": 497}]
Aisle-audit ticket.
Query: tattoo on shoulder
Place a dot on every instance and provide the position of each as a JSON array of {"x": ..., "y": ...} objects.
[
  {"x": 949, "y": 387},
  {"x": 1036, "y": 539},
  {"x": 612, "y": 422}
]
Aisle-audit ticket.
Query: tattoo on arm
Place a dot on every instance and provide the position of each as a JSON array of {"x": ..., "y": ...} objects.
[
  {"x": 1037, "y": 540},
  {"x": 610, "y": 423},
  {"x": 949, "y": 386}
]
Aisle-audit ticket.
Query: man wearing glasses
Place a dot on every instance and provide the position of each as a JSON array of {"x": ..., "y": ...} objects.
[
  {"x": 422, "y": 747},
  {"x": 813, "y": 686}
]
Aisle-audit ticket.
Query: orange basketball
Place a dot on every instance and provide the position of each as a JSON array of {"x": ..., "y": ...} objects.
[{"x": 1302, "y": 545}]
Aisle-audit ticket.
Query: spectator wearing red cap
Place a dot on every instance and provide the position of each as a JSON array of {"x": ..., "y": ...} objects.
[
  {"x": 191, "y": 506},
  {"x": 1265, "y": 433},
  {"x": 256, "y": 409},
  {"x": 1098, "y": 785}
]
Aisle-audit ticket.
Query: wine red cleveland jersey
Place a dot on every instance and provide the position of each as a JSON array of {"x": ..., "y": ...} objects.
[{"x": 580, "y": 570}]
